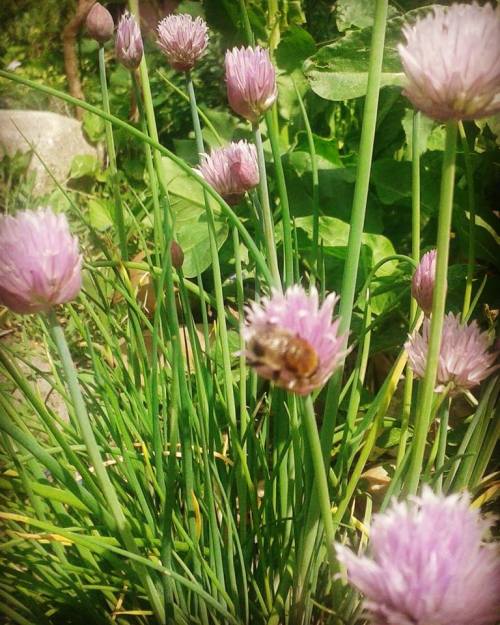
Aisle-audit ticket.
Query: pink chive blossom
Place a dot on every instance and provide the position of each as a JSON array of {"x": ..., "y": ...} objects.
[
  {"x": 422, "y": 285},
  {"x": 292, "y": 340},
  {"x": 99, "y": 23},
  {"x": 128, "y": 46},
  {"x": 464, "y": 359},
  {"x": 232, "y": 170},
  {"x": 183, "y": 40},
  {"x": 428, "y": 565},
  {"x": 40, "y": 265},
  {"x": 451, "y": 60},
  {"x": 251, "y": 82}
]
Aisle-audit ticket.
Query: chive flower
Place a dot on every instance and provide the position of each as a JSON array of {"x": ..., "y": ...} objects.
[
  {"x": 251, "y": 82},
  {"x": 232, "y": 170},
  {"x": 451, "y": 60},
  {"x": 128, "y": 45},
  {"x": 464, "y": 356},
  {"x": 40, "y": 265},
  {"x": 183, "y": 40},
  {"x": 292, "y": 340},
  {"x": 428, "y": 565}
]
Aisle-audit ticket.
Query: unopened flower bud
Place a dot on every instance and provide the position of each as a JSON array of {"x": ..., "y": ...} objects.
[
  {"x": 129, "y": 47},
  {"x": 176, "y": 254},
  {"x": 100, "y": 25},
  {"x": 251, "y": 82},
  {"x": 422, "y": 285}
]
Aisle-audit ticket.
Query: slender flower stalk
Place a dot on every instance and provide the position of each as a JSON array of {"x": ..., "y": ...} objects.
[
  {"x": 438, "y": 307},
  {"x": 110, "y": 144},
  {"x": 320, "y": 480},
  {"x": 348, "y": 289},
  {"x": 351, "y": 265},
  {"x": 267, "y": 217},
  {"x": 89, "y": 439},
  {"x": 288, "y": 245},
  {"x": 415, "y": 254},
  {"x": 471, "y": 249}
]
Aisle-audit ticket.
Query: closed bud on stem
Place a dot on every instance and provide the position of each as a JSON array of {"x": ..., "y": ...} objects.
[
  {"x": 251, "y": 82},
  {"x": 129, "y": 47},
  {"x": 422, "y": 285},
  {"x": 99, "y": 23},
  {"x": 177, "y": 255}
]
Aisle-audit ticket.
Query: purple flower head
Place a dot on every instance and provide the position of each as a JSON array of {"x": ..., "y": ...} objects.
[
  {"x": 40, "y": 265},
  {"x": 129, "y": 47},
  {"x": 292, "y": 340},
  {"x": 451, "y": 60},
  {"x": 183, "y": 40},
  {"x": 99, "y": 23},
  {"x": 464, "y": 359},
  {"x": 251, "y": 82},
  {"x": 232, "y": 170},
  {"x": 428, "y": 565},
  {"x": 422, "y": 286}
]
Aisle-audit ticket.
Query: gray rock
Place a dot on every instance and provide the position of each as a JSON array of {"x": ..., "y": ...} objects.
[{"x": 56, "y": 138}]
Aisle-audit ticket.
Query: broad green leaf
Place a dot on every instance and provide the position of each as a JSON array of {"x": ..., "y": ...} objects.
[
  {"x": 339, "y": 71},
  {"x": 295, "y": 46},
  {"x": 191, "y": 229},
  {"x": 93, "y": 126},
  {"x": 84, "y": 165},
  {"x": 334, "y": 234},
  {"x": 100, "y": 213}
]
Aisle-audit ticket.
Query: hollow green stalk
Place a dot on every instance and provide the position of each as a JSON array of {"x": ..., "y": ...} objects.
[
  {"x": 267, "y": 217},
  {"x": 415, "y": 254},
  {"x": 351, "y": 264},
  {"x": 444, "y": 414},
  {"x": 243, "y": 474},
  {"x": 321, "y": 481},
  {"x": 471, "y": 250},
  {"x": 273, "y": 132},
  {"x": 219, "y": 295},
  {"x": 358, "y": 210},
  {"x": 153, "y": 181},
  {"x": 438, "y": 308},
  {"x": 110, "y": 144},
  {"x": 89, "y": 439},
  {"x": 315, "y": 182}
]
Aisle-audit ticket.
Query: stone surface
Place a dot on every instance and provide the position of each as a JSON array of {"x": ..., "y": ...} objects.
[{"x": 56, "y": 138}]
